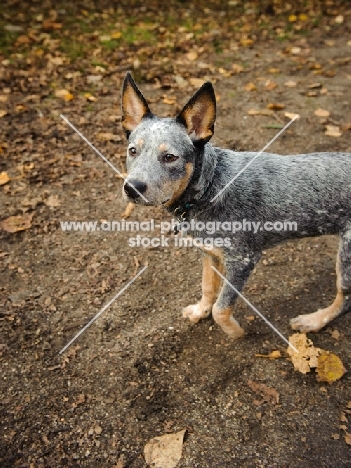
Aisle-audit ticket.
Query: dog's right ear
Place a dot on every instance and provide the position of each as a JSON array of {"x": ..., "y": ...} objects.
[{"x": 134, "y": 105}]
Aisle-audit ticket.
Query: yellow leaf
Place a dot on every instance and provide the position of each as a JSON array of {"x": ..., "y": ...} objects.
[
  {"x": 116, "y": 35},
  {"x": 17, "y": 223},
  {"x": 273, "y": 70},
  {"x": 245, "y": 42},
  {"x": 330, "y": 367},
  {"x": 292, "y": 18},
  {"x": 303, "y": 17},
  {"x": 64, "y": 94},
  {"x": 4, "y": 178}
]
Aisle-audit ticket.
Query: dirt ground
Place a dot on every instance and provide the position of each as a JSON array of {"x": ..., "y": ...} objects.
[{"x": 141, "y": 370}]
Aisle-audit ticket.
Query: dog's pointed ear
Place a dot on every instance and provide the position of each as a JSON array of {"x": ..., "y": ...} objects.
[
  {"x": 134, "y": 105},
  {"x": 199, "y": 114}
]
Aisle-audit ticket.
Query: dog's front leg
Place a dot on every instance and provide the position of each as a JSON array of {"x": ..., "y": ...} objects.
[
  {"x": 237, "y": 273},
  {"x": 211, "y": 283}
]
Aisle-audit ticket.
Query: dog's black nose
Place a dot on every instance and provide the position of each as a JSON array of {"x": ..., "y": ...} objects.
[{"x": 134, "y": 188}]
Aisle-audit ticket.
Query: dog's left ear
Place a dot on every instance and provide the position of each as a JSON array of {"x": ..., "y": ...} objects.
[
  {"x": 134, "y": 105},
  {"x": 199, "y": 114}
]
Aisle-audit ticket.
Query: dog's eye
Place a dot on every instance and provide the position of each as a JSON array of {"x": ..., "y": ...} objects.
[
  {"x": 132, "y": 151},
  {"x": 170, "y": 158}
]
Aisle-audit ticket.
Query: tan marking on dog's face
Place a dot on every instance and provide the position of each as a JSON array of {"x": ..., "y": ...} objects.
[
  {"x": 140, "y": 142},
  {"x": 183, "y": 183},
  {"x": 163, "y": 147}
]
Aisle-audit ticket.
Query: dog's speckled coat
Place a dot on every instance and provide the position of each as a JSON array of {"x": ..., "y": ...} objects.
[{"x": 171, "y": 163}]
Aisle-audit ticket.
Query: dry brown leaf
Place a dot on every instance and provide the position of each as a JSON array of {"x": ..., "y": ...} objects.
[
  {"x": 269, "y": 84},
  {"x": 246, "y": 42},
  {"x": 17, "y": 223},
  {"x": 347, "y": 438},
  {"x": 192, "y": 55},
  {"x": 260, "y": 112},
  {"x": 64, "y": 94},
  {"x": 127, "y": 212},
  {"x": 4, "y": 178},
  {"x": 275, "y": 106},
  {"x": 164, "y": 451},
  {"x": 2, "y": 113},
  {"x": 332, "y": 130},
  {"x": 321, "y": 113},
  {"x": 196, "y": 82},
  {"x": 307, "y": 356},
  {"x": 237, "y": 68},
  {"x": 250, "y": 87},
  {"x": 335, "y": 334},
  {"x": 273, "y": 70},
  {"x": 330, "y": 367},
  {"x": 53, "y": 201},
  {"x": 268, "y": 394},
  {"x": 107, "y": 136},
  {"x": 291, "y": 116},
  {"x": 272, "y": 355},
  {"x": 290, "y": 84}
]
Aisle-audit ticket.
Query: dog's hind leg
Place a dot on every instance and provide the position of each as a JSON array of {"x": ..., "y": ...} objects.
[
  {"x": 237, "y": 273},
  {"x": 342, "y": 303},
  {"x": 211, "y": 282}
]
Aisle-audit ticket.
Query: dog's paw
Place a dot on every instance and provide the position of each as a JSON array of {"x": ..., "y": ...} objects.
[
  {"x": 309, "y": 322},
  {"x": 235, "y": 332},
  {"x": 196, "y": 312}
]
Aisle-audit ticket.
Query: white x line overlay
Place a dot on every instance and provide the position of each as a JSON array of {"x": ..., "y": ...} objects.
[
  {"x": 254, "y": 309},
  {"x": 252, "y": 160},
  {"x": 101, "y": 155},
  {"x": 103, "y": 309}
]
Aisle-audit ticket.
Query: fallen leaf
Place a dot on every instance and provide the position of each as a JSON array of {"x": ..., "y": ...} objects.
[
  {"x": 250, "y": 87},
  {"x": 269, "y": 84},
  {"x": 4, "y": 178},
  {"x": 127, "y": 212},
  {"x": 192, "y": 55},
  {"x": 237, "y": 68},
  {"x": 52, "y": 201},
  {"x": 2, "y": 113},
  {"x": 339, "y": 19},
  {"x": 345, "y": 127},
  {"x": 330, "y": 367},
  {"x": 336, "y": 436},
  {"x": 107, "y": 136},
  {"x": 335, "y": 334},
  {"x": 295, "y": 50},
  {"x": 246, "y": 42},
  {"x": 290, "y": 84},
  {"x": 260, "y": 112},
  {"x": 196, "y": 82},
  {"x": 273, "y": 70},
  {"x": 272, "y": 355},
  {"x": 307, "y": 356},
  {"x": 268, "y": 394},
  {"x": 64, "y": 94},
  {"x": 347, "y": 438},
  {"x": 275, "y": 106},
  {"x": 291, "y": 116},
  {"x": 333, "y": 131},
  {"x": 321, "y": 113},
  {"x": 116, "y": 35},
  {"x": 164, "y": 451},
  {"x": 17, "y": 223}
]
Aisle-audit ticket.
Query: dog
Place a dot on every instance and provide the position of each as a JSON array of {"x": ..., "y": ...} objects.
[{"x": 170, "y": 162}]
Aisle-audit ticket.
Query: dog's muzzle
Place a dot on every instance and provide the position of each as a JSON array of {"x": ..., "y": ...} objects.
[{"x": 134, "y": 188}]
